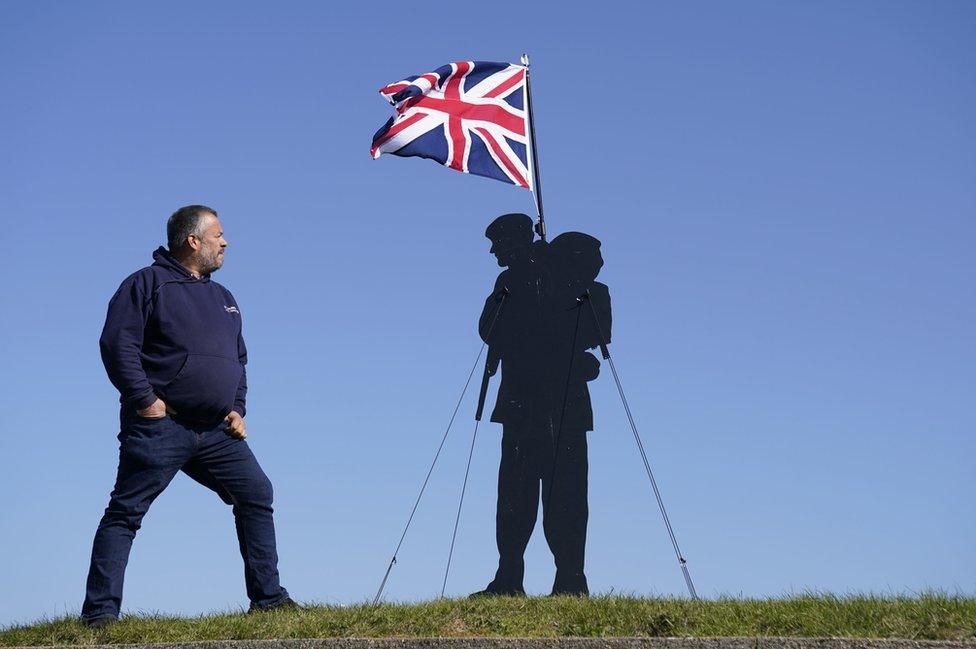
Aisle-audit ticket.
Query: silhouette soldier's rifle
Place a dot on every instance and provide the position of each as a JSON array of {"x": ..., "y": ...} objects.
[{"x": 491, "y": 366}]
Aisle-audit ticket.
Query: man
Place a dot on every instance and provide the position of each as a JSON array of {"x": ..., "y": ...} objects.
[{"x": 172, "y": 345}]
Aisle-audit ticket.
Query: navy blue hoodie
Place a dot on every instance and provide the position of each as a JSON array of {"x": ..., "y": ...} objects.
[{"x": 174, "y": 336}]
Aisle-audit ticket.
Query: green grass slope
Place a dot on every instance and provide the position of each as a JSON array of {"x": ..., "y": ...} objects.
[{"x": 931, "y": 616}]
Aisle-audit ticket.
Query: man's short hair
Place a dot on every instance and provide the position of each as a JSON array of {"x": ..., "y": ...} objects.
[{"x": 184, "y": 222}]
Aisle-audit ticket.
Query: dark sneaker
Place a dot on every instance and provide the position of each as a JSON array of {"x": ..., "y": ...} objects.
[
  {"x": 285, "y": 604},
  {"x": 98, "y": 622}
]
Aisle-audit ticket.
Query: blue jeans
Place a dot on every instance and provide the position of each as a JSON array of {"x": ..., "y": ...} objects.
[{"x": 152, "y": 451}]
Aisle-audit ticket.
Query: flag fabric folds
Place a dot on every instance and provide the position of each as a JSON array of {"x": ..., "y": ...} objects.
[{"x": 471, "y": 116}]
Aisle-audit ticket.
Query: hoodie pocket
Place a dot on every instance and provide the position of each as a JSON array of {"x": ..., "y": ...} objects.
[{"x": 205, "y": 387}]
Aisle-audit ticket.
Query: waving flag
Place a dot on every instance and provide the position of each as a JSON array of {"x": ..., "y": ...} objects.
[{"x": 470, "y": 116}]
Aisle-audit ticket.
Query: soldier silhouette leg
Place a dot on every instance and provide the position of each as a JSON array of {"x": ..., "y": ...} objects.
[
  {"x": 525, "y": 476},
  {"x": 566, "y": 512},
  {"x": 517, "y": 509}
]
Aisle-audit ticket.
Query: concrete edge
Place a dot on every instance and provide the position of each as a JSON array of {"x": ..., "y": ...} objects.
[{"x": 549, "y": 643}]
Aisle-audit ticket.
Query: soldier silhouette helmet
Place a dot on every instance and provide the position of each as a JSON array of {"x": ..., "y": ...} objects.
[
  {"x": 509, "y": 231},
  {"x": 577, "y": 256}
]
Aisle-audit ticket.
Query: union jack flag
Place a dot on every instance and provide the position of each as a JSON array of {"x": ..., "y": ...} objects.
[{"x": 470, "y": 116}]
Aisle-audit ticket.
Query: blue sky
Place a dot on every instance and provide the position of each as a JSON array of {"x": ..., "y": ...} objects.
[{"x": 786, "y": 195}]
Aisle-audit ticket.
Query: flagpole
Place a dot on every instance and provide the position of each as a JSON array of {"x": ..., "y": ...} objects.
[{"x": 540, "y": 227}]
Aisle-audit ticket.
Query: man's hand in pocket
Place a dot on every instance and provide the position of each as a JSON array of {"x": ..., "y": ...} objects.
[
  {"x": 235, "y": 425},
  {"x": 156, "y": 410}
]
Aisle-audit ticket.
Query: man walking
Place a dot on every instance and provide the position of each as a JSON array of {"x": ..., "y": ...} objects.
[{"x": 172, "y": 345}]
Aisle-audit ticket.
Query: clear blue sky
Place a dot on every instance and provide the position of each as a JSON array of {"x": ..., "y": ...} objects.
[{"x": 786, "y": 195}]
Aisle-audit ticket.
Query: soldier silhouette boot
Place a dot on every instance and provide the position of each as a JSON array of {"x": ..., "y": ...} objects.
[
  {"x": 498, "y": 591},
  {"x": 574, "y": 585}
]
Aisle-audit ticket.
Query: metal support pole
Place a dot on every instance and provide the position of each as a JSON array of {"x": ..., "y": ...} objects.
[
  {"x": 423, "y": 487},
  {"x": 640, "y": 447},
  {"x": 540, "y": 227}
]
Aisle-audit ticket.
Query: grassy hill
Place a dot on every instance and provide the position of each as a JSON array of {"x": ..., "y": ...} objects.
[{"x": 929, "y": 616}]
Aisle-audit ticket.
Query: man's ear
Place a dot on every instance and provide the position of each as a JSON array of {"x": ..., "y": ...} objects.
[{"x": 194, "y": 242}]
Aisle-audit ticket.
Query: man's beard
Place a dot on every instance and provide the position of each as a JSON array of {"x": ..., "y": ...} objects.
[{"x": 209, "y": 261}]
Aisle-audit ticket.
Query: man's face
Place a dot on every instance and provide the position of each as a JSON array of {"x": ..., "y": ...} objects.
[{"x": 209, "y": 246}]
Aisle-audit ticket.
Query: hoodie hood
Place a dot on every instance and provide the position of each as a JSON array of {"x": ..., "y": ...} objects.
[{"x": 164, "y": 259}]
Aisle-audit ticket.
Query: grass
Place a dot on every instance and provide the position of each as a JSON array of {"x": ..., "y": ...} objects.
[{"x": 928, "y": 616}]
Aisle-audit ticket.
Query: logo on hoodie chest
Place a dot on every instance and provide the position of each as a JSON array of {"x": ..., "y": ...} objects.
[{"x": 231, "y": 309}]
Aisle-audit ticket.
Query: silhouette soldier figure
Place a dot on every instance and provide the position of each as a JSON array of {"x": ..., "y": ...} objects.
[
  {"x": 542, "y": 403},
  {"x": 575, "y": 261}
]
